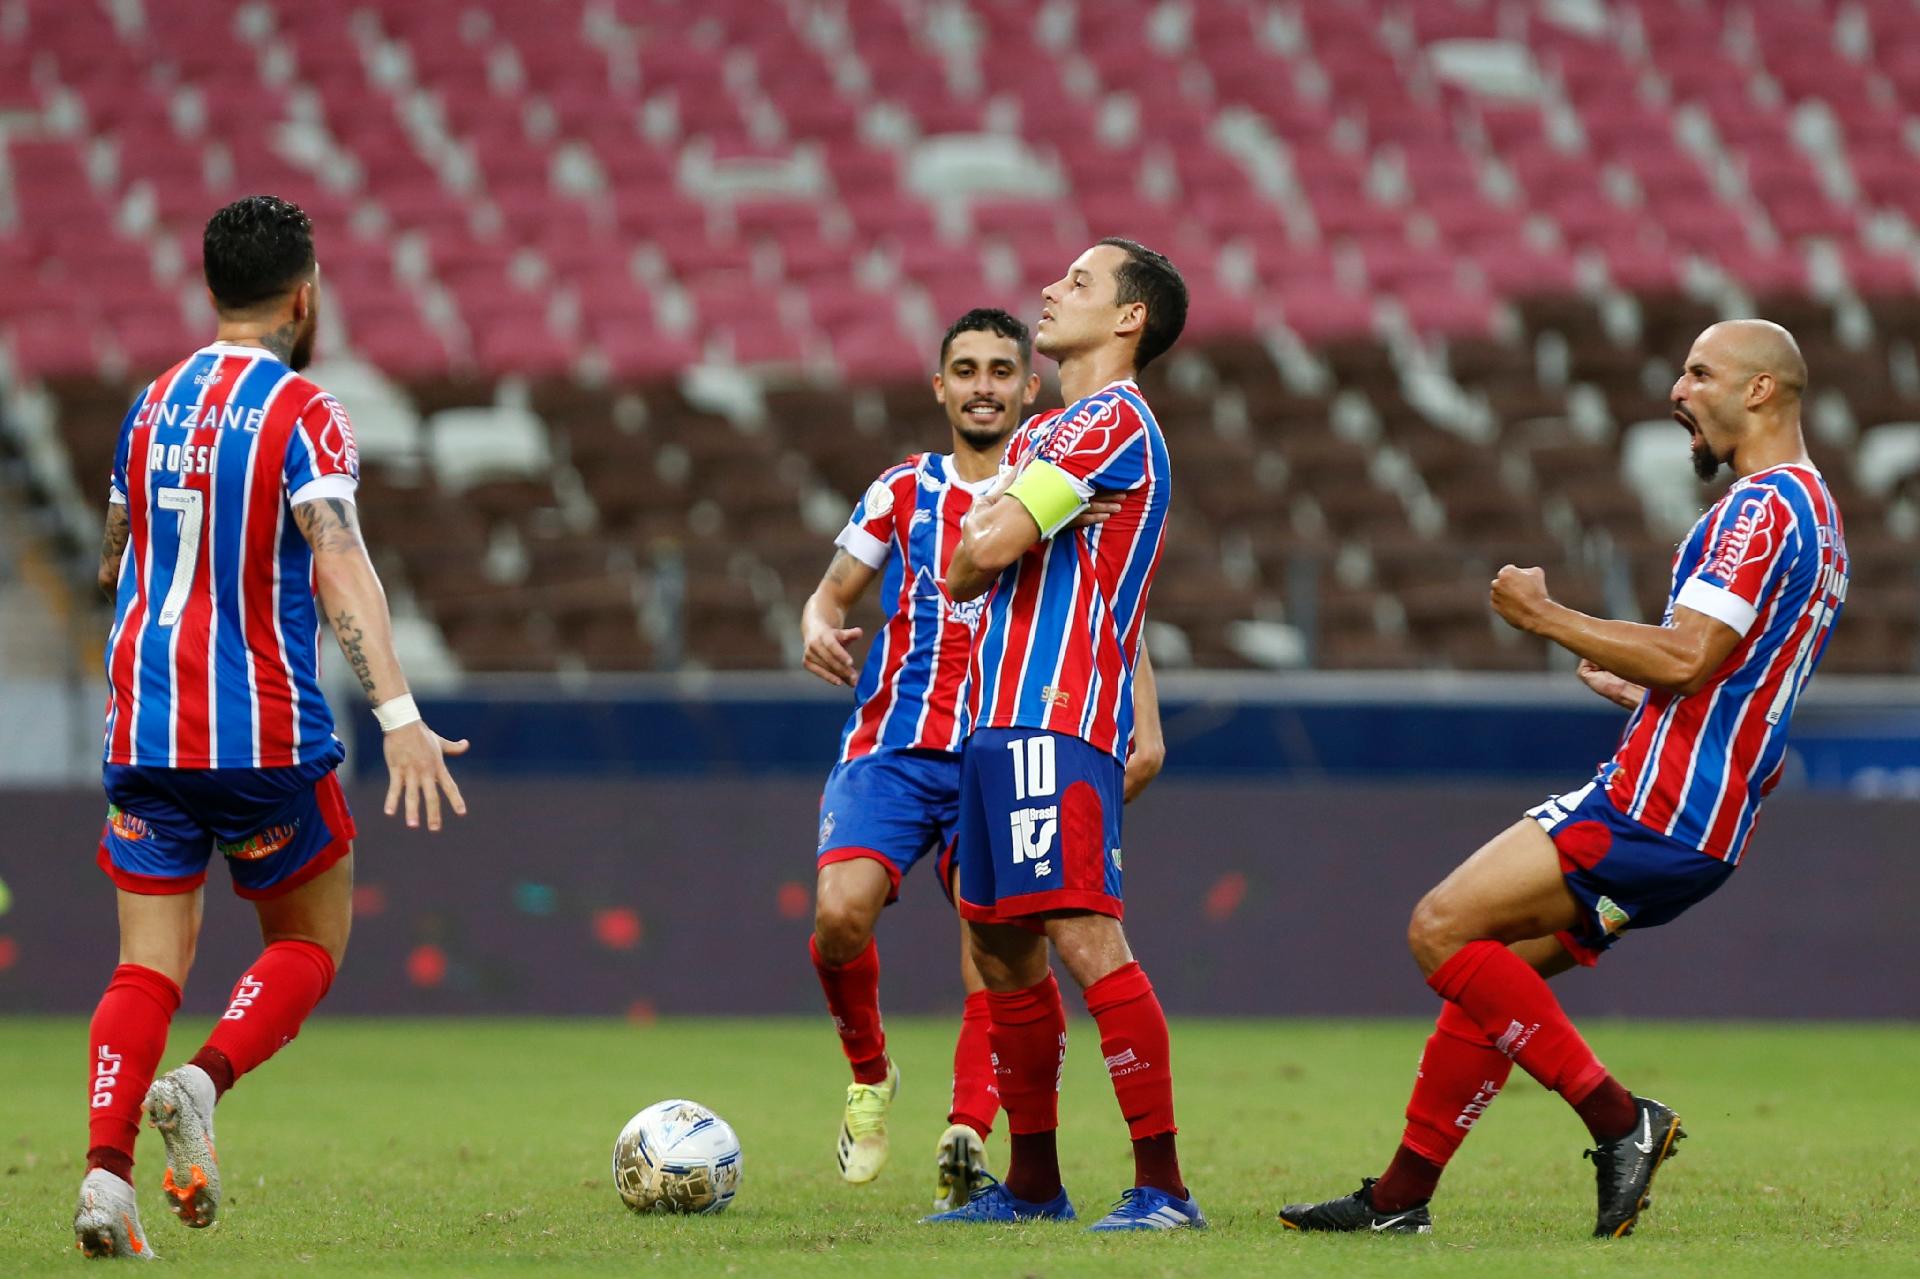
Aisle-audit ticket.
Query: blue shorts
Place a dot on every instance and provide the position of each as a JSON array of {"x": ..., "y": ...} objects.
[
  {"x": 1624, "y": 874},
  {"x": 893, "y": 807},
  {"x": 277, "y": 827},
  {"x": 1039, "y": 826}
]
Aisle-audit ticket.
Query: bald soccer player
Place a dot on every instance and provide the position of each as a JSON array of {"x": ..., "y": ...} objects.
[{"x": 1756, "y": 588}]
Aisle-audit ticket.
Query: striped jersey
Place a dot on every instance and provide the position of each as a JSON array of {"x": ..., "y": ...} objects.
[
  {"x": 912, "y": 690},
  {"x": 1057, "y": 647},
  {"x": 213, "y": 660},
  {"x": 1770, "y": 560}
]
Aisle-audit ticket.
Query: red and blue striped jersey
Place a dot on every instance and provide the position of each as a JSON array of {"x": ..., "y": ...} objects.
[
  {"x": 1768, "y": 559},
  {"x": 912, "y": 689},
  {"x": 1057, "y": 647},
  {"x": 213, "y": 660}
]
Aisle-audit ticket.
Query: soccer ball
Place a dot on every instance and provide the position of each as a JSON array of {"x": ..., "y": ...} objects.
[{"x": 676, "y": 1156}]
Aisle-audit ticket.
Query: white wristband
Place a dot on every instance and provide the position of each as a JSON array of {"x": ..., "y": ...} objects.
[{"x": 397, "y": 712}]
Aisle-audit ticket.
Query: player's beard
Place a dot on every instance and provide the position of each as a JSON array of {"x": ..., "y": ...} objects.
[
  {"x": 1705, "y": 464},
  {"x": 302, "y": 353},
  {"x": 981, "y": 438}
]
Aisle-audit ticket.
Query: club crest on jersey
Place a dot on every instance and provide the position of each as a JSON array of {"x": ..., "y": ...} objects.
[
  {"x": 126, "y": 826},
  {"x": 879, "y": 499},
  {"x": 1748, "y": 539},
  {"x": 258, "y": 845}
]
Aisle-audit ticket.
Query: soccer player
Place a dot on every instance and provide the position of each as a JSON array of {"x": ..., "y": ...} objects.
[
  {"x": 1756, "y": 588},
  {"x": 1051, "y": 705},
  {"x": 230, "y": 532},
  {"x": 893, "y": 795}
]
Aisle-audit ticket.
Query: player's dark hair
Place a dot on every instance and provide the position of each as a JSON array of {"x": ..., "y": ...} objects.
[
  {"x": 256, "y": 249},
  {"x": 1148, "y": 277},
  {"x": 990, "y": 319}
]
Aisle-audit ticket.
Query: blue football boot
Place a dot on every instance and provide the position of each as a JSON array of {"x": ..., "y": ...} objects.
[
  {"x": 1145, "y": 1208},
  {"x": 996, "y": 1203}
]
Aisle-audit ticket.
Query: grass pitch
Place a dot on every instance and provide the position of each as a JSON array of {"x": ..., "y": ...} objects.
[{"x": 482, "y": 1147}]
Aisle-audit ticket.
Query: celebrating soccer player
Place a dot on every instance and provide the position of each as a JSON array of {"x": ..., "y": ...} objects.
[
  {"x": 230, "y": 529},
  {"x": 893, "y": 796},
  {"x": 1756, "y": 588},
  {"x": 1052, "y": 705}
]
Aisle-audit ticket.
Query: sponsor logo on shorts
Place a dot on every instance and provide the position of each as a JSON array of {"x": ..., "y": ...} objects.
[
  {"x": 1033, "y": 832},
  {"x": 826, "y": 829},
  {"x": 261, "y": 844},
  {"x": 1115, "y": 854},
  {"x": 126, "y": 826},
  {"x": 1612, "y": 918},
  {"x": 1515, "y": 1038}
]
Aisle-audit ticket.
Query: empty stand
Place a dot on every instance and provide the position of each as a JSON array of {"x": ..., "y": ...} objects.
[{"x": 1435, "y": 312}]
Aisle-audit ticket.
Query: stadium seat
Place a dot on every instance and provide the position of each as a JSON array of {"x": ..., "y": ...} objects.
[{"x": 508, "y": 197}]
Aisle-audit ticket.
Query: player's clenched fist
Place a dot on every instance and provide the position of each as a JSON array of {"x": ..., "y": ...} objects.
[
  {"x": 1518, "y": 594},
  {"x": 826, "y": 653}
]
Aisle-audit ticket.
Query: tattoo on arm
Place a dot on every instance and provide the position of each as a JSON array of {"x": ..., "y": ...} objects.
[
  {"x": 329, "y": 524},
  {"x": 841, "y": 568},
  {"x": 113, "y": 545},
  {"x": 353, "y": 643}
]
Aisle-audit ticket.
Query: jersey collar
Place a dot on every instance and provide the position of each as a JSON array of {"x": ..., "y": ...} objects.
[
  {"x": 975, "y": 487},
  {"x": 230, "y": 348}
]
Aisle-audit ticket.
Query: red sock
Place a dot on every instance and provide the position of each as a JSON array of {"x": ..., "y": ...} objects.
[
  {"x": 1028, "y": 1030},
  {"x": 266, "y": 1010},
  {"x": 1608, "y": 1111},
  {"x": 128, "y": 1034},
  {"x": 1502, "y": 994},
  {"x": 1461, "y": 1072},
  {"x": 975, "y": 1098},
  {"x": 1133, "y": 1039},
  {"x": 853, "y": 997}
]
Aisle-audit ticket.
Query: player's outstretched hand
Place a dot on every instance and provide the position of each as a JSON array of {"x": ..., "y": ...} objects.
[
  {"x": 1103, "y": 507},
  {"x": 417, "y": 770},
  {"x": 1518, "y": 594},
  {"x": 1620, "y": 691},
  {"x": 827, "y": 654}
]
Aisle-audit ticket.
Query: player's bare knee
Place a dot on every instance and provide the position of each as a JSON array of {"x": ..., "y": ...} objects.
[
  {"x": 1009, "y": 958},
  {"x": 1432, "y": 933},
  {"x": 334, "y": 942},
  {"x": 841, "y": 928},
  {"x": 1090, "y": 946}
]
